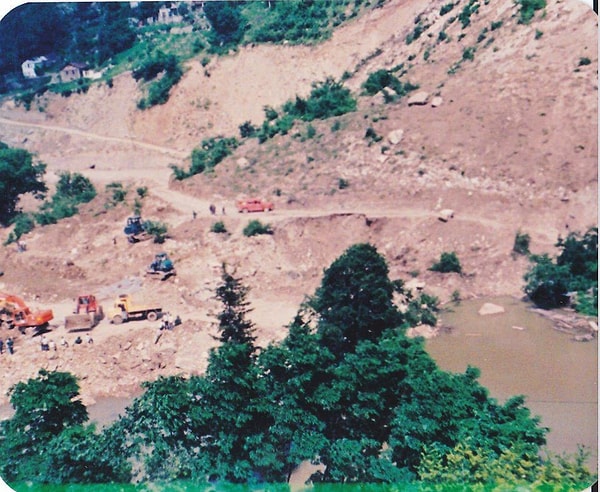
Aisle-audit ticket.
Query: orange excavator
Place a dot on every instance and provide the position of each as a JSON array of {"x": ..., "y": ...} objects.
[{"x": 15, "y": 312}]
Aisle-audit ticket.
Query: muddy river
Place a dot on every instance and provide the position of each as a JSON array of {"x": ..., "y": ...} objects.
[{"x": 520, "y": 353}]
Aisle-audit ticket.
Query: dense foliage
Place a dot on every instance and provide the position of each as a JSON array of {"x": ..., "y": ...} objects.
[
  {"x": 18, "y": 175},
  {"x": 204, "y": 158},
  {"x": 448, "y": 263},
  {"x": 345, "y": 389},
  {"x": 575, "y": 270},
  {"x": 162, "y": 72},
  {"x": 256, "y": 227},
  {"x": 72, "y": 190}
]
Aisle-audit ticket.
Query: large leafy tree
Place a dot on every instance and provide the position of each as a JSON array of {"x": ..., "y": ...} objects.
[
  {"x": 44, "y": 407},
  {"x": 18, "y": 175},
  {"x": 575, "y": 269},
  {"x": 354, "y": 301}
]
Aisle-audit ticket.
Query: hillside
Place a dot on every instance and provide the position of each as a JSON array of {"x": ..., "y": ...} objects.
[{"x": 512, "y": 146}]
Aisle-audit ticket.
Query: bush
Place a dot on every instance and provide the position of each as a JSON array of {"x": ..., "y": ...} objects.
[
  {"x": 343, "y": 183},
  {"x": 204, "y": 158},
  {"x": 117, "y": 192},
  {"x": 521, "y": 245},
  {"x": 156, "y": 229},
  {"x": 23, "y": 223},
  {"x": 218, "y": 228},
  {"x": 584, "y": 61},
  {"x": 527, "y": 9},
  {"x": 575, "y": 270},
  {"x": 446, "y": 8},
  {"x": 255, "y": 227},
  {"x": 158, "y": 91},
  {"x": 448, "y": 263},
  {"x": 72, "y": 189}
]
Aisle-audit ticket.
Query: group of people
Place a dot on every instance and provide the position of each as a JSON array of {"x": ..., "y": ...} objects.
[
  {"x": 9, "y": 345},
  {"x": 47, "y": 345}
]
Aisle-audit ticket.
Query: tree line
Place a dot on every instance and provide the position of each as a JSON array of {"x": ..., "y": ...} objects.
[{"x": 346, "y": 390}]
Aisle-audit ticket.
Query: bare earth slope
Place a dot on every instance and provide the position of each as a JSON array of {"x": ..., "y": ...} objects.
[{"x": 512, "y": 146}]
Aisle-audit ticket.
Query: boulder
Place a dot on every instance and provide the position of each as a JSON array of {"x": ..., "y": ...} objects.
[
  {"x": 395, "y": 136},
  {"x": 446, "y": 214},
  {"x": 420, "y": 98},
  {"x": 436, "y": 101},
  {"x": 489, "y": 308}
]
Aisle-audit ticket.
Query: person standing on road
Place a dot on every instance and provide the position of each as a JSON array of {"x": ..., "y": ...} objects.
[
  {"x": 1, "y": 346},
  {"x": 9, "y": 345}
]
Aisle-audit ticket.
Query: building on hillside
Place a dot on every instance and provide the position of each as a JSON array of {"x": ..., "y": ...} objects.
[
  {"x": 28, "y": 67},
  {"x": 168, "y": 15},
  {"x": 73, "y": 71}
]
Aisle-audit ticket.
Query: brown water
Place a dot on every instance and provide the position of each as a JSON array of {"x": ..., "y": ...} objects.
[{"x": 558, "y": 376}]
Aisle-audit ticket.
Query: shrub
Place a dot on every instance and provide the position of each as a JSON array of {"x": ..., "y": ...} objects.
[
  {"x": 469, "y": 53},
  {"x": 343, "y": 183},
  {"x": 584, "y": 61},
  {"x": 116, "y": 191},
  {"x": 156, "y": 229},
  {"x": 446, "y": 8},
  {"x": 521, "y": 245},
  {"x": 448, "y": 263},
  {"x": 255, "y": 227},
  {"x": 218, "y": 227},
  {"x": 204, "y": 158},
  {"x": 72, "y": 189},
  {"x": 142, "y": 191},
  {"x": 23, "y": 223},
  {"x": 247, "y": 130},
  {"x": 495, "y": 25},
  {"x": 548, "y": 282},
  {"x": 527, "y": 9}
]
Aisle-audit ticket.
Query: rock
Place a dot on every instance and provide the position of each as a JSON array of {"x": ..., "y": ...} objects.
[
  {"x": 436, "y": 101},
  {"x": 243, "y": 163},
  {"x": 520, "y": 328},
  {"x": 489, "y": 308},
  {"x": 420, "y": 98},
  {"x": 446, "y": 214},
  {"x": 395, "y": 136},
  {"x": 593, "y": 325}
]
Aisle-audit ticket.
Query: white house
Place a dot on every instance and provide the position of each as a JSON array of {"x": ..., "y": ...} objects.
[{"x": 28, "y": 66}]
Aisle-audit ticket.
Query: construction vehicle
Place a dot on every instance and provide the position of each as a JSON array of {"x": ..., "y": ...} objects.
[
  {"x": 14, "y": 312},
  {"x": 135, "y": 230},
  {"x": 162, "y": 267},
  {"x": 125, "y": 310},
  {"x": 86, "y": 315}
]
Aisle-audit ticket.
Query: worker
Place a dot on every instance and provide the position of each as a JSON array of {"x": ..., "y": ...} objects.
[
  {"x": 78, "y": 340},
  {"x": 44, "y": 344},
  {"x": 9, "y": 345},
  {"x": 52, "y": 345},
  {"x": 1, "y": 346},
  {"x": 194, "y": 215},
  {"x": 89, "y": 339},
  {"x": 212, "y": 209},
  {"x": 63, "y": 342}
]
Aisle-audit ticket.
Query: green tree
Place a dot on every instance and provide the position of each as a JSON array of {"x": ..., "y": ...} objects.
[
  {"x": 448, "y": 263},
  {"x": 44, "y": 407},
  {"x": 18, "y": 175},
  {"x": 227, "y": 23},
  {"x": 354, "y": 300},
  {"x": 575, "y": 269}
]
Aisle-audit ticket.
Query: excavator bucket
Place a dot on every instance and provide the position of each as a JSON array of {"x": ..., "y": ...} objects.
[{"x": 80, "y": 321}]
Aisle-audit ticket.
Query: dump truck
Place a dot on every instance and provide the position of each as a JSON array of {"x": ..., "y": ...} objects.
[
  {"x": 135, "y": 230},
  {"x": 162, "y": 267},
  {"x": 14, "y": 312},
  {"x": 87, "y": 313},
  {"x": 125, "y": 309}
]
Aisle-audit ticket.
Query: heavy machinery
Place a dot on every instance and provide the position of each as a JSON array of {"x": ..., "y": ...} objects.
[
  {"x": 162, "y": 267},
  {"x": 125, "y": 310},
  {"x": 135, "y": 230},
  {"x": 87, "y": 313},
  {"x": 14, "y": 312}
]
